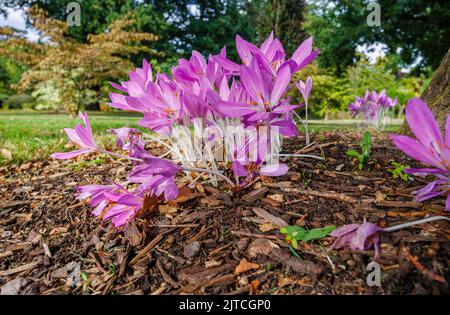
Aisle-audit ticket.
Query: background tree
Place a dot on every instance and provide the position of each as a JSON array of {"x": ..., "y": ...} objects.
[
  {"x": 437, "y": 94},
  {"x": 97, "y": 16},
  {"x": 81, "y": 71},
  {"x": 415, "y": 30},
  {"x": 284, "y": 17}
]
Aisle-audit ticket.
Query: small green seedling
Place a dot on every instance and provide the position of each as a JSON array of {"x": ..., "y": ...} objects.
[
  {"x": 295, "y": 233},
  {"x": 86, "y": 282},
  {"x": 399, "y": 171},
  {"x": 364, "y": 156}
]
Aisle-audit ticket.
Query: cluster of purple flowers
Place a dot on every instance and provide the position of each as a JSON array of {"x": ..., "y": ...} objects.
[
  {"x": 374, "y": 108},
  {"x": 215, "y": 90}
]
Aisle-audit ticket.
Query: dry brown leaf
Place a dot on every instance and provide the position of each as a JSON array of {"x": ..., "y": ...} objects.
[
  {"x": 254, "y": 286},
  {"x": 277, "y": 197},
  {"x": 167, "y": 209},
  {"x": 267, "y": 227},
  {"x": 149, "y": 203},
  {"x": 340, "y": 167},
  {"x": 276, "y": 221},
  {"x": 185, "y": 194},
  {"x": 24, "y": 217},
  {"x": 244, "y": 266},
  {"x": 284, "y": 281},
  {"x": 271, "y": 202},
  {"x": 210, "y": 201},
  {"x": 261, "y": 246}
]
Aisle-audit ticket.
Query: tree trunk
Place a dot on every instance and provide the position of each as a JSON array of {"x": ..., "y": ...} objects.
[{"x": 437, "y": 94}]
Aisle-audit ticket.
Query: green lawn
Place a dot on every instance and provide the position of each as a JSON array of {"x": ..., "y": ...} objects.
[{"x": 30, "y": 136}]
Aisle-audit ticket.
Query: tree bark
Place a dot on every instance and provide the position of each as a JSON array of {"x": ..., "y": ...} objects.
[{"x": 437, "y": 94}]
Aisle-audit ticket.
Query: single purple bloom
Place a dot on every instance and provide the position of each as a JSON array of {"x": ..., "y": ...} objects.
[
  {"x": 125, "y": 136},
  {"x": 122, "y": 209},
  {"x": 429, "y": 147},
  {"x": 305, "y": 88},
  {"x": 81, "y": 136},
  {"x": 157, "y": 177},
  {"x": 357, "y": 237}
]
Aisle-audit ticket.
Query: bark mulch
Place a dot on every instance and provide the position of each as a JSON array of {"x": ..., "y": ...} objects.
[{"x": 218, "y": 241}]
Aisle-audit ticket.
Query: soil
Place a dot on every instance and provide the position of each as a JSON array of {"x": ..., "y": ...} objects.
[{"x": 222, "y": 241}]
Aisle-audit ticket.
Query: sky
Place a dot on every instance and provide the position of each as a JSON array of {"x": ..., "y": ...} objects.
[{"x": 16, "y": 19}]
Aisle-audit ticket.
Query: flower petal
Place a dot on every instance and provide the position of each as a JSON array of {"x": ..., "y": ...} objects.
[
  {"x": 69, "y": 155},
  {"x": 415, "y": 150},
  {"x": 274, "y": 170},
  {"x": 280, "y": 85},
  {"x": 422, "y": 123}
]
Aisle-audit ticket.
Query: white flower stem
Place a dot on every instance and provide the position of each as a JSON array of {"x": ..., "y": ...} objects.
[
  {"x": 302, "y": 156},
  {"x": 120, "y": 155},
  {"x": 408, "y": 224},
  {"x": 306, "y": 122}
]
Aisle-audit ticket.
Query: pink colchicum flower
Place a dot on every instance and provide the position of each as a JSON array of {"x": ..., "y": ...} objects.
[
  {"x": 357, "y": 237},
  {"x": 365, "y": 236},
  {"x": 82, "y": 136},
  {"x": 111, "y": 202},
  {"x": 214, "y": 89},
  {"x": 157, "y": 176},
  {"x": 122, "y": 208},
  {"x": 374, "y": 107},
  {"x": 429, "y": 147},
  {"x": 305, "y": 88}
]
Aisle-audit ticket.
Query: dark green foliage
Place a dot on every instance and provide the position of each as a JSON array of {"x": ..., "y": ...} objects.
[
  {"x": 409, "y": 28},
  {"x": 284, "y": 17}
]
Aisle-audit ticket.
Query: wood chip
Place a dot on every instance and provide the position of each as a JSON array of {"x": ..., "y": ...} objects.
[
  {"x": 276, "y": 221},
  {"x": 12, "y": 271},
  {"x": 14, "y": 203},
  {"x": 6, "y": 254},
  {"x": 270, "y": 249},
  {"x": 133, "y": 235},
  {"x": 146, "y": 249},
  {"x": 255, "y": 194},
  {"x": 322, "y": 194}
]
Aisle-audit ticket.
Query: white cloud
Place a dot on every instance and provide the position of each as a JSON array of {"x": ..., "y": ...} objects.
[
  {"x": 373, "y": 51},
  {"x": 16, "y": 18}
]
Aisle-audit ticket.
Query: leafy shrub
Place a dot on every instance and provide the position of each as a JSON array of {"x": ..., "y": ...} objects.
[{"x": 19, "y": 101}]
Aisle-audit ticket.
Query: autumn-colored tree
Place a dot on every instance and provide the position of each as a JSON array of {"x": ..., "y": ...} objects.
[{"x": 80, "y": 71}]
